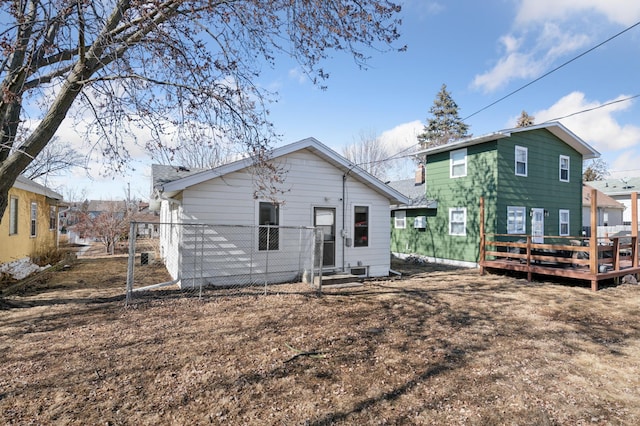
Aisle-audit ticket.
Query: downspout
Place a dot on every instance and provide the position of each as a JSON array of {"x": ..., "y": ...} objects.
[{"x": 343, "y": 233}]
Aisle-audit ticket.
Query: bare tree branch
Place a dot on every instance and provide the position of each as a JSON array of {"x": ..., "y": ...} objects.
[{"x": 115, "y": 66}]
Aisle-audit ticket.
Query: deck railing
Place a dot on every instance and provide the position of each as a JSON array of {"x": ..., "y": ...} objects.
[
  {"x": 594, "y": 258},
  {"x": 575, "y": 252}
]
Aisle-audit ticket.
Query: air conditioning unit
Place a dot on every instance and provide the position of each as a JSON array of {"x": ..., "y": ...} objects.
[{"x": 420, "y": 222}]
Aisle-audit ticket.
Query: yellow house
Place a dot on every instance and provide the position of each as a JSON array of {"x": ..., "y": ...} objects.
[{"x": 29, "y": 226}]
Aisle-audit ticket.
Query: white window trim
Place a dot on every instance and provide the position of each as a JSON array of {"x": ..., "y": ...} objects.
[
  {"x": 515, "y": 209},
  {"x": 353, "y": 224},
  {"x": 451, "y": 163},
  {"x": 13, "y": 215},
  {"x": 258, "y": 224},
  {"x": 464, "y": 212},
  {"x": 400, "y": 219},
  {"x": 33, "y": 219},
  {"x": 560, "y": 222},
  {"x": 526, "y": 160},
  {"x": 563, "y": 157}
]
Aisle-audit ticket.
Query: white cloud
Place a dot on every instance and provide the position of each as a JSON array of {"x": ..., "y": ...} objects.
[
  {"x": 401, "y": 140},
  {"x": 511, "y": 66},
  {"x": 402, "y": 137},
  {"x": 519, "y": 61},
  {"x": 624, "y": 164},
  {"x": 545, "y": 30},
  {"x": 623, "y": 12},
  {"x": 298, "y": 75},
  {"x": 599, "y": 128},
  {"x": 422, "y": 8}
]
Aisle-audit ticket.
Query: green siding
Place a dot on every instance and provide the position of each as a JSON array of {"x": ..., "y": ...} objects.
[
  {"x": 491, "y": 174},
  {"x": 409, "y": 239},
  {"x": 541, "y": 188},
  {"x": 481, "y": 181}
]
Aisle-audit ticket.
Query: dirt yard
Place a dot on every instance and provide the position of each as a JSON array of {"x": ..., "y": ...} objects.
[{"x": 441, "y": 347}]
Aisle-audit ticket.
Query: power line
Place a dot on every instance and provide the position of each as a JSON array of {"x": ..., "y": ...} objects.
[
  {"x": 552, "y": 71},
  {"x": 398, "y": 155},
  {"x": 593, "y": 109}
]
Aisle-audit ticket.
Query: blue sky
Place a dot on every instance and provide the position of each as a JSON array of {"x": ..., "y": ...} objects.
[{"x": 482, "y": 51}]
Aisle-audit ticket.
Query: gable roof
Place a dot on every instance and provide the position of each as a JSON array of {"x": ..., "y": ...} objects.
[
  {"x": 604, "y": 201},
  {"x": 170, "y": 180},
  {"x": 416, "y": 192},
  {"x": 27, "y": 184},
  {"x": 556, "y": 128}
]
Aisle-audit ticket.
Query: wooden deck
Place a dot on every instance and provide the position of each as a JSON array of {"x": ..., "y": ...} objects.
[{"x": 592, "y": 259}]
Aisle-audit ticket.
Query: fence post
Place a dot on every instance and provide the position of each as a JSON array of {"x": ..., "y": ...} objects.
[
  {"x": 320, "y": 234},
  {"x": 483, "y": 247},
  {"x": 131, "y": 260}
]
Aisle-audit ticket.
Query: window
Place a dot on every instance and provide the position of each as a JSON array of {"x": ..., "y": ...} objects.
[
  {"x": 13, "y": 216},
  {"x": 521, "y": 161},
  {"x": 34, "y": 216},
  {"x": 515, "y": 220},
  {"x": 564, "y": 222},
  {"x": 458, "y": 221},
  {"x": 53, "y": 222},
  {"x": 268, "y": 231},
  {"x": 361, "y": 226},
  {"x": 564, "y": 168},
  {"x": 458, "y": 161},
  {"x": 400, "y": 221}
]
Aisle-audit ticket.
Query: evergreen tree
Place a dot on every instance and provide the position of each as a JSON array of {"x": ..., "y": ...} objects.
[
  {"x": 445, "y": 125},
  {"x": 525, "y": 120}
]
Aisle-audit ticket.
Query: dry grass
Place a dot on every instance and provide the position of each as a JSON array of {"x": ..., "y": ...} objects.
[{"x": 440, "y": 347}]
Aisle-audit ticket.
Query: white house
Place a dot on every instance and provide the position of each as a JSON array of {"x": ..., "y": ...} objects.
[
  {"x": 610, "y": 212},
  {"x": 620, "y": 190},
  {"x": 320, "y": 188}
]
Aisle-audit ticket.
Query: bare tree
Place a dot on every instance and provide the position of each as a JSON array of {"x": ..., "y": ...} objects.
[
  {"x": 369, "y": 153},
  {"x": 596, "y": 169},
  {"x": 110, "y": 226},
  {"x": 54, "y": 159},
  {"x": 206, "y": 152},
  {"x": 122, "y": 65},
  {"x": 525, "y": 120}
]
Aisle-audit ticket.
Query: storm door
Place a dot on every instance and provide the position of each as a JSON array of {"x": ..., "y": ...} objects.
[
  {"x": 325, "y": 219},
  {"x": 537, "y": 226}
]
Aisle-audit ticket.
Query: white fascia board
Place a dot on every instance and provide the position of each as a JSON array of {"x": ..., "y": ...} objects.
[
  {"x": 28, "y": 185},
  {"x": 309, "y": 143}
]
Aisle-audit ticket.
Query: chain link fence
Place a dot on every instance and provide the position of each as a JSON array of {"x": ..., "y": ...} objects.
[{"x": 192, "y": 258}]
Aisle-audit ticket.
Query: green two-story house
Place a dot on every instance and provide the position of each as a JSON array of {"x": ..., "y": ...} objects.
[{"x": 530, "y": 179}]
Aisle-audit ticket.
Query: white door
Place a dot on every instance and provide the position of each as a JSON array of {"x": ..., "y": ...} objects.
[{"x": 537, "y": 226}]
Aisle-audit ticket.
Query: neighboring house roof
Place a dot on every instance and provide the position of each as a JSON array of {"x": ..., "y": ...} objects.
[
  {"x": 171, "y": 180},
  {"x": 564, "y": 134},
  {"x": 615, "y": 187},
  {"x": 106, "y": 205},
  {"x": 29, "y": 185},
  {"x": 162, "y": 174},
  {"x": 604, "y": 201},
  {"x": 416, "y": 192}
]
